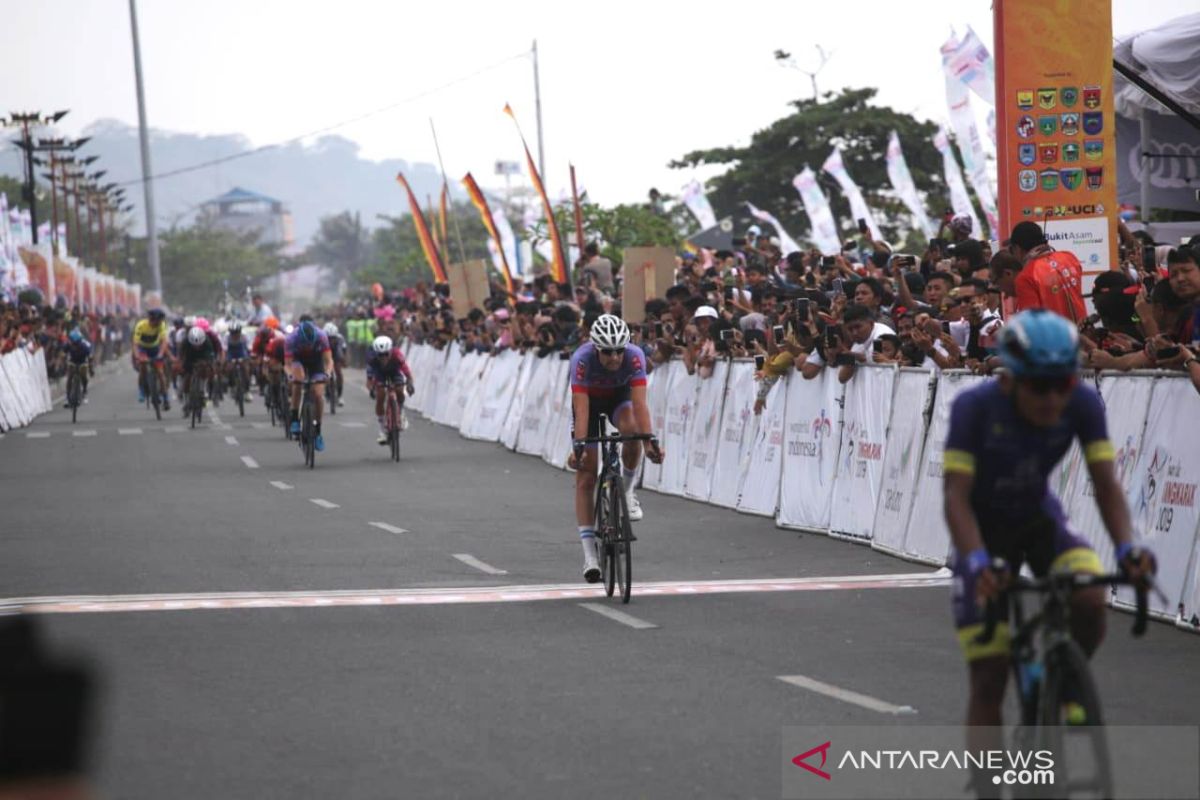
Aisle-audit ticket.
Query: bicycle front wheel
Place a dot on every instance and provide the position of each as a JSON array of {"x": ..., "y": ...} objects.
[
  {"x": 604, "y": 539},
  {"x": 154, "y": 391},
  {"x": 1070, "y": 710},
  {"x": 307, "y": 435},
  {"x": 622, "y": 538}
]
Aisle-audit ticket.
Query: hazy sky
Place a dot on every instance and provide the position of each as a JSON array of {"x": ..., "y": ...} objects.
[{"x": 626, "y": 87}]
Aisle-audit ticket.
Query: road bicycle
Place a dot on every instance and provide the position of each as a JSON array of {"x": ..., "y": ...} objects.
[
  {"x": 1056, "y": 691},
  {"x": 238, "y": 383},
  {"x": 393, "y": 414},
  {"x": 308, "y": 435},
  {"x": 614, "y": 532},
  {"x": 148, "y": 379},
  {"x": 75, "y": 388},
  {"x": 196, "y": 391}
]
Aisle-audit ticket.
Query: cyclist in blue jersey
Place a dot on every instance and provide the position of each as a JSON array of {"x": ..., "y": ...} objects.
[
  {"x": 306, "y": 354},
  {"x": 79, "y": 353},
  {"x": 1006, "y": 436},
  {"x": 608, "y": 377},
  {"x": 238, "y": 349}
]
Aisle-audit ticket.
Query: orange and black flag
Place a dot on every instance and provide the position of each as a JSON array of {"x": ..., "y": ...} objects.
[
  {"x": 485, "y": 214},
  {"x": 427, "y": 244},
  {"x": 558, "y": 269}
]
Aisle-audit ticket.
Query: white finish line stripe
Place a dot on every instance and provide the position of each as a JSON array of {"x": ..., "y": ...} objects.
[
  {"x": 618, "y": 616},
  {"x": 845, "y": 695},
  {"x": 83, "y": 433},
  {"x": 322, "y": 503},
  {"x": 249, "y": 462},
  {"x": 231, "y": 440},
  {"x": 472, "y": 561},
  {"x": 129, "y": 431},
  {"x": 174, "y": 429},
  {"x": 38, "y": 435},
  {"x": 281, "y": 485},
  {"x": 383, "y": 526},
  {"x": 82, "y": 604}
]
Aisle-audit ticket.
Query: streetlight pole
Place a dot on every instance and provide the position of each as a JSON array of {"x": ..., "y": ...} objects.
[
  {"x": 144, "y": 136},
  {"x": 537, "y": 105},
  {"x": 25, "y": 121}
]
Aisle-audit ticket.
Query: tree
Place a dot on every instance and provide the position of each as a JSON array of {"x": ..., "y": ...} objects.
[
  {"x": 340, "y": 244},
  {"x": 396, "y": 254},
  {"x": 614, "y": 229},
  {"x": 200, "y": 263},
  {"x": 762, "y": 171}
]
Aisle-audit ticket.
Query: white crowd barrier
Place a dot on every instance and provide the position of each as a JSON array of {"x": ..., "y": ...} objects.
[
  {"x": 862, "y": 461},
  {"x": 24, "y": 388}
]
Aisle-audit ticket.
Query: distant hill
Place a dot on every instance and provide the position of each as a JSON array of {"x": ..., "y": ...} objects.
[{"x": 323, "y": 178}]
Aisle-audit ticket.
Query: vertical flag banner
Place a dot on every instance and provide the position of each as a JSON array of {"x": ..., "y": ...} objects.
[
  {"x": 423, "y": 234},
  {"x": 858, "y": 206},
  {"x": 824, "y": 230},
  {"x": 1055, "y": 125},
  {"x": 508, "y": 244},
  {"x": 558, "y": 262},
  {"x": 969, "y": 62},
  {"x": 64, "y": 280},
  {"x": 962, "y": 119},
  {"x": 904, "y": 186},
  {"x": 697, "y": 203},
  {"x": 960, "y": 201},
  {"x": 489, "y": 222},
  {"x": 786, "y": 243},
  {"x": 136, "y": 299},
  {"x": 443, "y": 216}
]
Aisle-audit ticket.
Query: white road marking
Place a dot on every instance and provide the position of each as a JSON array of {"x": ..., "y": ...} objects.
[
  {"x": 249, "y": 462},
  {"x": 281, "y": 485},
  {"x": 82, "y": 434},
  {"x": 38, "y": 435},
  {"x": 353, "y": 424},
  {"x": 618, "y": 616},
  {"x": 472, "y": 561},
  {"x": 231, "y": 440},
  {"x": 174, "y": 429},
  {"x": 129, "y": 431},
  {"x": 76, "y": 604},
  {"x": 259, "y": 426},
  {"x": 222, "y": 426},
  {"x": 383, "y": 526},
  {"x": 322, "y": 503},
  {"x": 846, "y": 695}
]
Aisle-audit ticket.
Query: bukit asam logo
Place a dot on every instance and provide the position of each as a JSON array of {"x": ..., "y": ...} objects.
[{"x": 1007, "y": 767}]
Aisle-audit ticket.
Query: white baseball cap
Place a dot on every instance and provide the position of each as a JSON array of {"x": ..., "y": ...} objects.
[{"x": 705, "y": 311}]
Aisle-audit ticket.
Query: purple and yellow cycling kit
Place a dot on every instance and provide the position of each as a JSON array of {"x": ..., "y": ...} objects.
[
  {"x": 608, "y": 391},
  {"x": 1019, "y": 518},
  {"x": 309, "y": 355}
]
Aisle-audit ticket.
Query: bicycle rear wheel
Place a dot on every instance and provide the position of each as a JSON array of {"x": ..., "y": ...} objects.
[
  {"x": 307, "y": 435},
  {"x": 622, "y": 538},
  {"x": 73, "y": 393},
  {"x": 239, "y": 382},
  {"x": 1068, "y": 679},
  {"x": 393, "y": 423},
  {"x": 154, "y": 391}
]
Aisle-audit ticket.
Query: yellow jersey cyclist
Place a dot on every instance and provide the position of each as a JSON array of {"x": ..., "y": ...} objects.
[
  {"x": 1006, "y": 436},
  {"x": 608, "y": 377},
  {"x": 150, "y": 337}
]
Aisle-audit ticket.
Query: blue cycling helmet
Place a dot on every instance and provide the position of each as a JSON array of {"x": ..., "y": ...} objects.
[
  {"x": 75, "y": 335},
  {"x": 1039, "y": 344},
  {"x": 308, "y": 331}
]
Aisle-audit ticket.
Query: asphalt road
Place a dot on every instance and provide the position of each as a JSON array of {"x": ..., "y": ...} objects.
[{"x": 359, "y": 647}]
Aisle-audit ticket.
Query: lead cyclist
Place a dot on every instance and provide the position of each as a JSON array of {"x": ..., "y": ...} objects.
[{"x": 608, "y": 377}]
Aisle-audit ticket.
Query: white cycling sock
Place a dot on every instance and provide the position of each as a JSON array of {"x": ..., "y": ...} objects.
[{"x": 629, "y": 476}]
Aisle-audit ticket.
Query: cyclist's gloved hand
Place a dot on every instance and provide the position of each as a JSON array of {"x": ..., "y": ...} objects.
[
  {"x": 983, "y": 571},
  {"x": 577, "y": 448},
  {"x": 1136, "y": 561},
  {"x": 654, "y": 450}
]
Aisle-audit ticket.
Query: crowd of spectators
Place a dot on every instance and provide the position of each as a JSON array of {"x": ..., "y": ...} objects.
[{"x": 26, "y": 322}]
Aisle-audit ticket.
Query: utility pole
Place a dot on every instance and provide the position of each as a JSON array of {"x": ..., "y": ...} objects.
[
  {"x": 144, "y": 136},
  {"x": 537, "y": 105},
  {"x": 25, "y": 121}
]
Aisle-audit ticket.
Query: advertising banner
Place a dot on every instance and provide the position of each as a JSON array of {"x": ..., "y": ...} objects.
[
  {"x": 760, "y": 483},
  {"x": 676, "y": 436},
  {"x": 705, "y": 434},
  {"x": 38, "y": 271},
  {"x": 697, "y": 202},
  {"x": 536, "y": 418},
  {"x": 658, "y": 390},
  {"x": 738, "y": 427},
  {"x": 902, "y": 459},
  {"x": 64, "y": 280},
  {"x": 810, "y": 458},
  {"x": 1055, "y": 125},
  {"x": 865, "y": 416},
  {"x": 440, "y": 395},
  {"x": 512, "y": 421},
  {"x": 820, "y": 216},
  {"x": 558, "y": 435}
]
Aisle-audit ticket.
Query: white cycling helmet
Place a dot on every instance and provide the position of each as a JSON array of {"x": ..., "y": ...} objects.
[
  {"x": 381, "y": 345},
  {"x": 610, "y": 332},
  {"x": 221, "y": 326},
  {"x": 189, "y": 321},
  {"x": 197, "y": 336},
  {"x": 289, "y": 329},
  {"x": 331, "y": 329}
]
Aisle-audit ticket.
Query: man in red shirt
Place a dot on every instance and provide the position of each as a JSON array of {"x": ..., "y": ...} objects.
[{"x": 1048, "y": 278}]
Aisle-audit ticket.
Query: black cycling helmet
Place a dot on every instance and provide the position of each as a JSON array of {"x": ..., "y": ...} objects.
[{"x": 157, "y": 313}]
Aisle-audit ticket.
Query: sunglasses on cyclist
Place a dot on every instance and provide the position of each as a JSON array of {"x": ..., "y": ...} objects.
[
  {"x": 1063, "y": 385},
  {"x": 615, "y": 351}
]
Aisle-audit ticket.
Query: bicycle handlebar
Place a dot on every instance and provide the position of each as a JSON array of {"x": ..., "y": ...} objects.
[
  {"x": 1071, "y": 582},
  {"x": 636, "y": 437}
]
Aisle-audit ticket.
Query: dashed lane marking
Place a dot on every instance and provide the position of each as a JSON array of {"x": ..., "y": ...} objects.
[
  {"x": 353, "y": 424},
  {"x": 383, "y": 526},
  {"x": 83, "y": 434},
  {"x": 174, "y": 429},
  {"x": 249, "y": 462},
  {"x": 472, "y": 561},
  {"x": 618, "y": 616},
  {"x": 846, "y": 695},
  {"x": 129, "y": 431},
  {"x": 82, "y": 604},
  {"x": 322, "y": 503},
  {"x": 282, "y": 486},
  {"x": 37, "y": 435},
  {"x": 231, "y": 440},
  {"x": 260, "y": 426}
]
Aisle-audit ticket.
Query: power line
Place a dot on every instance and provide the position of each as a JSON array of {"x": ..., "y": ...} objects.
[{"x": 326, "y": 129}]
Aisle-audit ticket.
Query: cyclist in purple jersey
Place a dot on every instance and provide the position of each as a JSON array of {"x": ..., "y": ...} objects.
[
  {"x": 1006, "y": 436},
  {"x": 608, "y": 377},
  {"x": 306, "y": 354}
]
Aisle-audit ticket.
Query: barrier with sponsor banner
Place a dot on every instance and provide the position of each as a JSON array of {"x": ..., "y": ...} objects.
[
  {"x": 24, "y": 388},
  {"x": 861, "y": 460}
]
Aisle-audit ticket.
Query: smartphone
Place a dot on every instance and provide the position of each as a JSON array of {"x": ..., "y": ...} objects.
[
  {"x": 862, "y": 226},
  {"x": 658, "y": 330},
  {"x": 1149, "y": 282},
  {"x": 729, "y": 293},
  {"x": 845, "y": 360},
  {"x": 779, "y": 333},
  {"x": 1149, "y": 261},
  {"x": 945, "y": 327},
  {"x": 831, "y": 338},
  {"x": 1167, "y": 352},
  {"x": 727, "y": 335},
  {"x": 827, "y": 261},
  {"x": 877, "y": 346},
  {"x": 802, "y": 310},
  {"x": 760, "y": 361},
  {"x": 904, "y": 261},
  {"x": 838, "y": 285}
]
